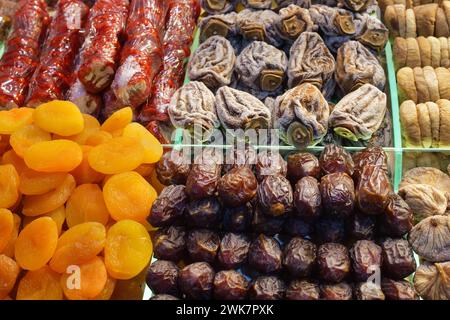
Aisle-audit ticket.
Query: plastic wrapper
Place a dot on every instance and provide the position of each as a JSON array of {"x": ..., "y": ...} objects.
[
  {"x": 52, "y": 76},
  {"x": 142, "y": 54},
  {"x": 178, "y": 37},
  {"x": 22, "y": 51},
  {"x": 101, "y": 47}
]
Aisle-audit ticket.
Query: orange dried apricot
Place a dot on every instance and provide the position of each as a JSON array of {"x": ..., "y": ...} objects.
[
  {"x": 41, "y": 284},
  {"x": 11, "y": 120},
  {"x": 118, "y": 120},
  {"x": 36, "y": 243},
  {"x": 6, "y": 227},
  {"x": 108, "y": 290},
  {"x": 10, "y": 157},
  {"x": 44, "y": 203},
  {"x": 35, "y": 183},
  {"x": 152, "y": 147},
  {"x": 58, "y": 215},
  {"x": 91, "y": 125},
  {"x": 117, "y": 155},
  {"x": 78, "y": 245},
  {"x": 26, "y": 136},
  {"x": 86, "y": 204},
  {"x": 9, "y": 185},
  {"x": 60, "y": 117},
  {"x": 88, "y": 283},
  {"x": 98, "y": 137},
  {"x": 145, "y": 170},
  {"x": 54, "y": 156},
  {"x": 9, "y": 270},
  {"x": 84, "y": 173},
  {"x": 159, "y": 187},
  {"x": 128, "y": 249},
  {"x": 128, "y": 196},
  {"x": 9, "y": 249},
  {"x": 4, "y": 143}
]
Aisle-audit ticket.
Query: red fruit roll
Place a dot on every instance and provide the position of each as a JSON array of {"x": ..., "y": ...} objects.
[
  {"x": 101, "y": 48},
  {"x": 180, "y": 26},
  {"x": 22, "y": 51},
  {"x": 141, "y": 57},
  {"x": 52, "y": 77}
]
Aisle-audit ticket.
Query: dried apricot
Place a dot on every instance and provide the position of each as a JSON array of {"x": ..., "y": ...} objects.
[
  {"x": 128, "y": 249},
  {"x": 156, "y": 183},
  {"x": 91, "y": 125},
  {"x": 10, "y": 157},
  {"x": 4, "y": 143},
  {"x": 60, "y": 117},
  {"x": 9, "y": 270},
  {"x": 128, "y": 196},
  {"x": 54, "y": 156},
  {"x": 11, "y": 120},
  {"x": 152, "y": 147},
  {"x": 36, "y": 243},
  {"x": 84, "y": 173},
  {"x": 78, "y": 245},
  {"x": 40, "y": 204},
  {"x": 118, "y": 120},
  {"x": 108, "y": 290},
  {"x": 6, "y": 227},
  {"x": 9, "y": 186},
  {"x": 9, "y": 249},
  {"x": 145, "y": 169},
  {"x": 98, "y": 137},
  {"x": 58, "y": 215},
  {"x": 86, "y": 204},
  {"x": 35, "y": 183},
  {"x": 41, "y": 284},
  {"x": 117, "y": 155},
  {"x": 26, "y": 136},
  {"x": 88, "y": 283}
]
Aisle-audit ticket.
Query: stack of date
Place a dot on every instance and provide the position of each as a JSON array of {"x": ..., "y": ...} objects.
[{"x": 305, "y": 228}]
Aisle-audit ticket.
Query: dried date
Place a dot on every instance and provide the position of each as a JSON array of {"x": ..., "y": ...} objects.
[
  {"x": 299, "y": 257},
  {"x": 368, "y": 291},
  {"x": 169, "y": 206},
  {"x": 301, "y": 165},
  {"x": 265, "y": 224},
  {"x": 275, "y": 196},
  {"x": 329, "y": 229},
  {"x": 238, "y": 219},
  {"x": 302, "y": 290},
  {"x": 173, "y": 168},
  {"x": 362, "y": 227},
  {"x": 162, "y": 277},
  {"x": 265, "y": 254},
  {"x": 296, "y": 227},
  {"x": 267, "y": 288},
  {"x": 398, "y": 258},
  {"x": 366, "y": 259},
  {"x": 307, "y": 198},
  {"x": 372, "y": 191},
  {"x": 169, "y": 243},
  {"x": 233, "y": 250},
  {"x": 336, "y": 159},
  {"x": 397, "y": 219},
  {"x": 398, "y": 290},
  {"x": 196, "y": 281},
  {"x": 163, "y": 297},
  {"x": 202, "y": 180},
  {"x": 374, "y": 156},
  {"x": 202, "y": 245},
  {"x": 204, "y": 213},
  {"x": 270, "y": 163},
  {"x": 230, "y": 285},
  {"x": 237, "y": 187},
  {"x": 338, "y": 194},
  {"x": 339, "y": 291},
  {"x": 333, "y": 262}
]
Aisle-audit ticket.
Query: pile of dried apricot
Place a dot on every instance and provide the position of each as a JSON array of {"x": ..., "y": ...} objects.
[{"x": 74, "y": 198}]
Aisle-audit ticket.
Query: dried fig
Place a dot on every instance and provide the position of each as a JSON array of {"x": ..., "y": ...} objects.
[
  {"x": 430, "y": 238},
  {"x": 432, "y": 281},
  {"x": 427, "y": 175}
]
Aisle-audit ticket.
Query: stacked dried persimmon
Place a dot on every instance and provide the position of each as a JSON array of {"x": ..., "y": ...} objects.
[{"x": 74, "y": 198}]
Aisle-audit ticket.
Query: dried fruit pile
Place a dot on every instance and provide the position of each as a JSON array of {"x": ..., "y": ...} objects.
[
  {"x": 305, "y": 228},
  {"x": 427, "y": 192},
  {"x": 280, "y": 69},
  {"x": 74, "y": 199}
]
